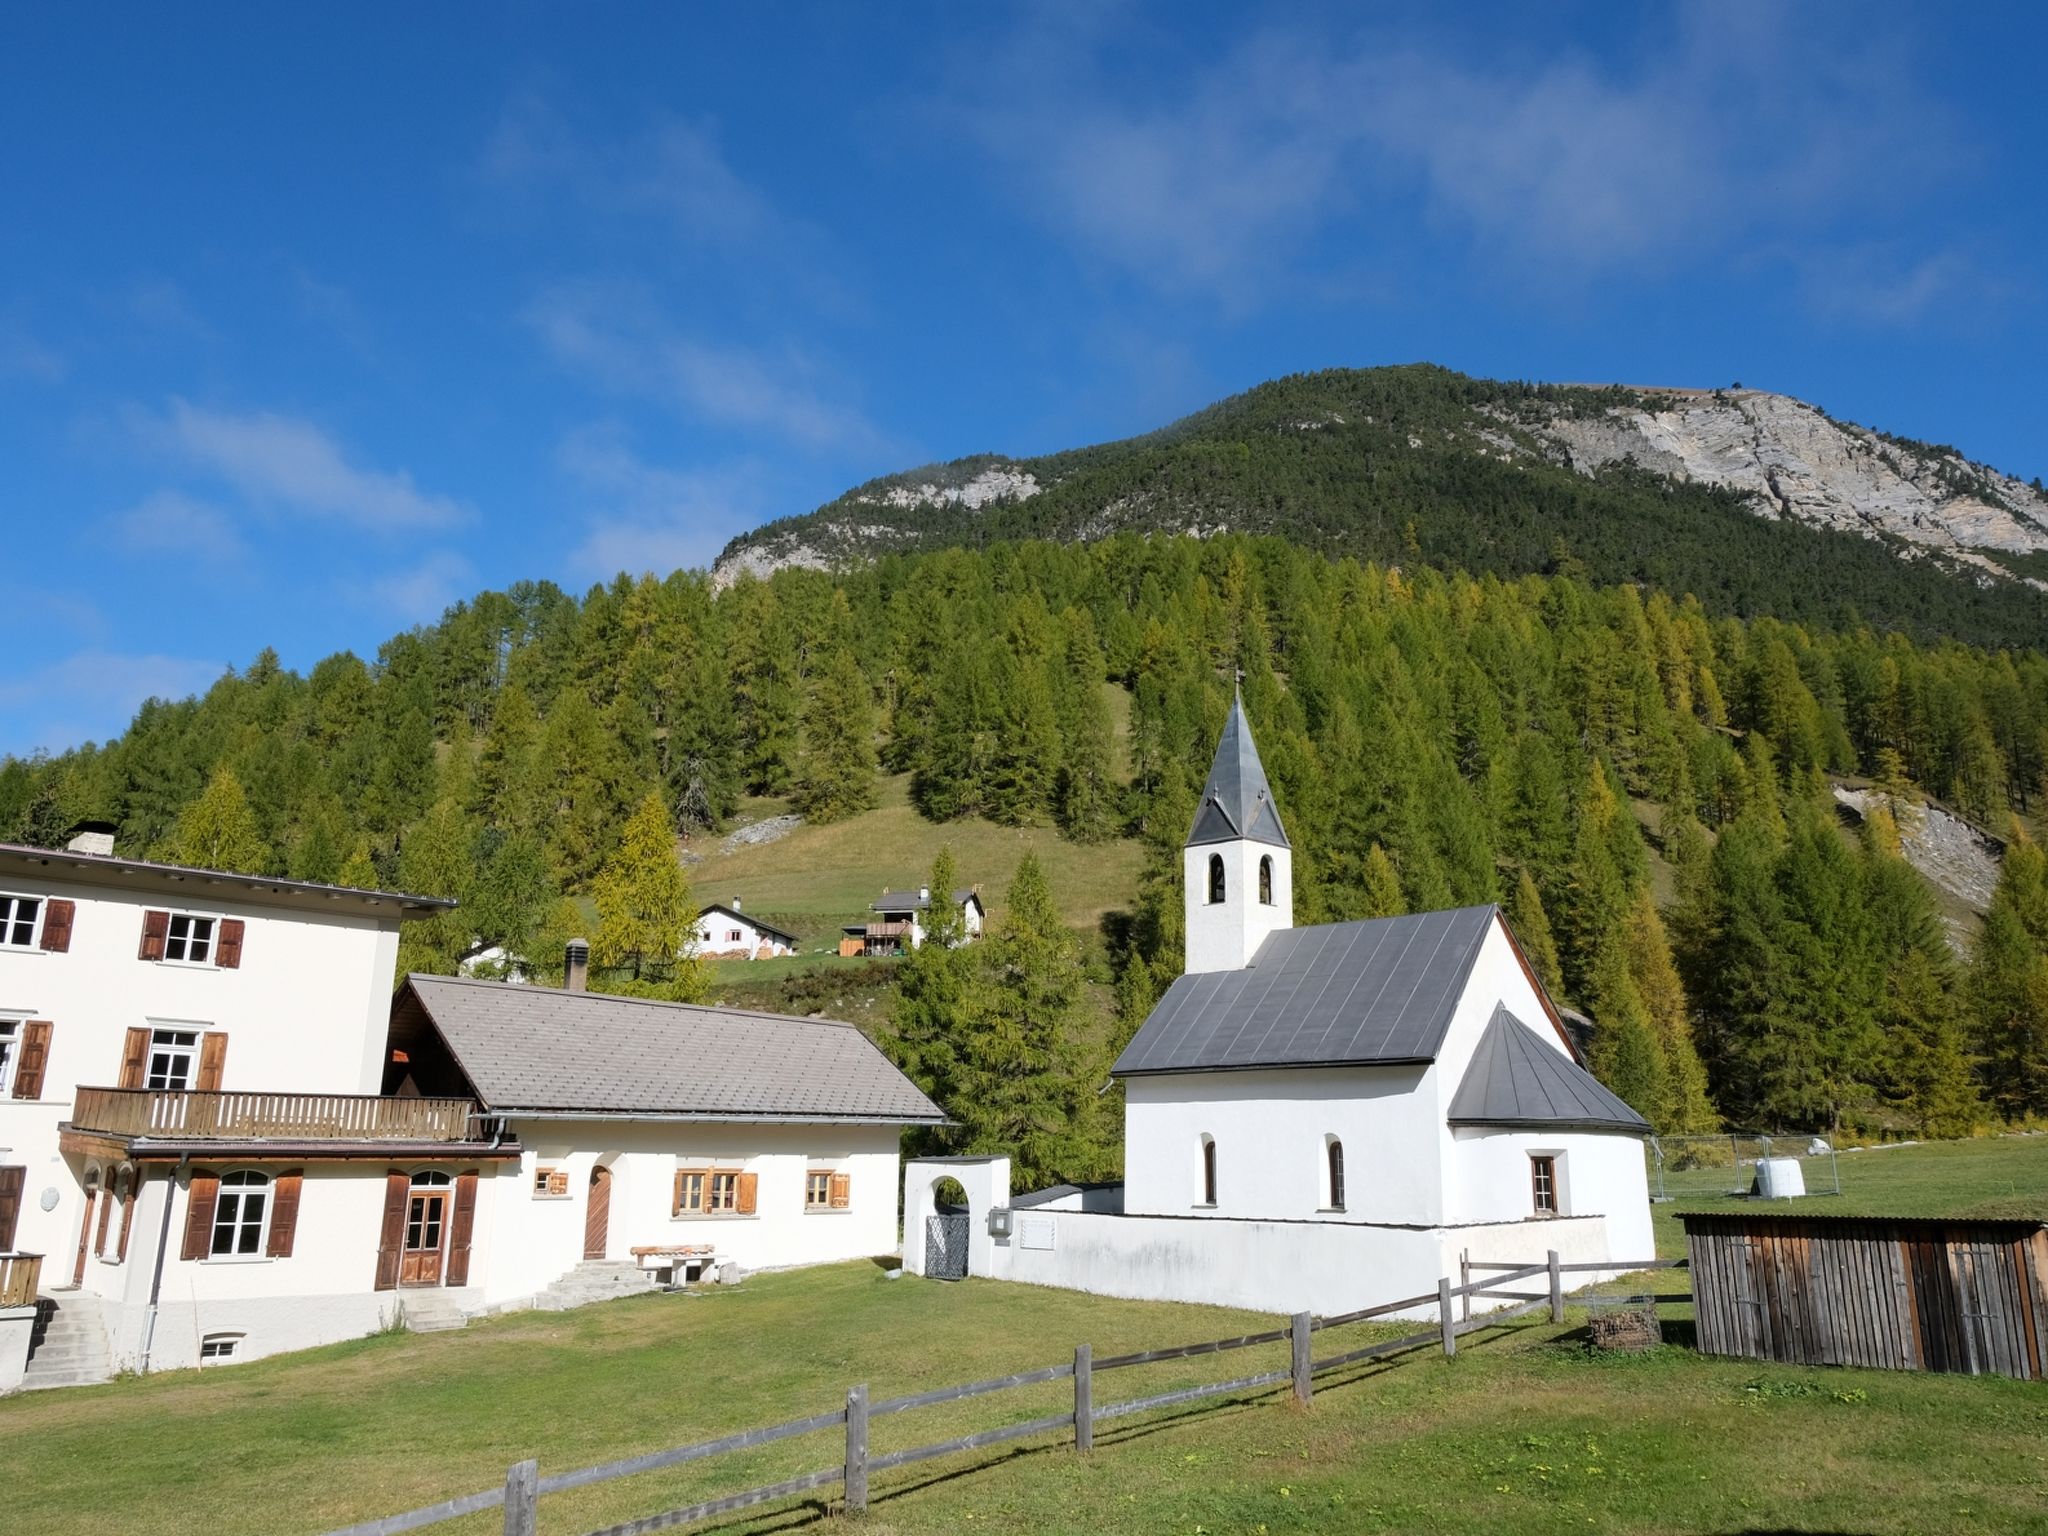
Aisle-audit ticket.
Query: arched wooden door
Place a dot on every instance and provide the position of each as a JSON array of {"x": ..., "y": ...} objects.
[{"x": 597, "y": 1215}]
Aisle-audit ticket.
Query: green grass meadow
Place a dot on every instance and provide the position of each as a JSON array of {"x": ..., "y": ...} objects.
[{"x": 1526, "y": 1431}]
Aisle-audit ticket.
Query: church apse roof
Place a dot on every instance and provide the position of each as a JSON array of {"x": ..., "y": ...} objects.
[
  {"x": 1366, "y": 993},
  {"x": 1518, "y": 1082}
]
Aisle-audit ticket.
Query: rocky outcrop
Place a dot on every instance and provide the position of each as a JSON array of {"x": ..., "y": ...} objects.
[{"x": 1948, "y": 852}]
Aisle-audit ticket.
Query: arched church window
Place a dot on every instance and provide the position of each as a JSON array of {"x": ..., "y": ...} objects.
[
  {"x": 1208, "y": 1170},
  {"x": 1265, "y": 879},
  {"x": 1215, "y": 879},
  {"x": 1336, "y": 1154}
]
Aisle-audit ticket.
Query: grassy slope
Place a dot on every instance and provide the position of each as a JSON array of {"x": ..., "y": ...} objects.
[{"x": 1524, "y": 1431}]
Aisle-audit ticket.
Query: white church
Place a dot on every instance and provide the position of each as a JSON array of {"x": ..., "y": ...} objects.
[{"x": 1319, "y": 1118}]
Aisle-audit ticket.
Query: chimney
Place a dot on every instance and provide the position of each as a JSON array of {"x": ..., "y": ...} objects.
[
  {"x": 576, "y": 973},
  {"x": 924, "y": 893},
  {"x": 736, "y": 904},
  {"x": 92, "y": 837}
]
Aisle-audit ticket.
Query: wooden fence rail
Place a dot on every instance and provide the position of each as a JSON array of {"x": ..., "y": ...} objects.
[{"x": 523, "y": 1485}]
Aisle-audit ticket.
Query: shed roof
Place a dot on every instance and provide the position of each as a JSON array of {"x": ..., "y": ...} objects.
[
  {"x": 1379, "y": 991},
  {"x": 1517, "y": 1081},
  {"x": 542, "y": 1049},
  {"x": 1237, "y": 802}
]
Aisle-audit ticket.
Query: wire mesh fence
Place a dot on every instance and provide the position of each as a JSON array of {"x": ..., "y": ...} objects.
[{"x": 1741, "y": 1164}]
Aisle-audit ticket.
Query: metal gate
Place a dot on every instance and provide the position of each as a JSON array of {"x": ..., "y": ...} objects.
[{"x": 945, "y": 1247}]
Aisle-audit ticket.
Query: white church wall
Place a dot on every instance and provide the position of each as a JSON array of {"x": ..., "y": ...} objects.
[
  {"x": 1271, "y": 1130},
  {"x": 1489, "y": 1179},
  {"x": 1223, "y": 936},
  {"x": 1271, "y": 1266}
]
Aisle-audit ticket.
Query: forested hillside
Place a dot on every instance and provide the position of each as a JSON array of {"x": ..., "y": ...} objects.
[
  {"x": 1812, "y": 521},
  {"x": 1432, "y": 738}
]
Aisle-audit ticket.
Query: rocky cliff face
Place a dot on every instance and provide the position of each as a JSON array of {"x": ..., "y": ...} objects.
[{"x": 1790, "y": 460}]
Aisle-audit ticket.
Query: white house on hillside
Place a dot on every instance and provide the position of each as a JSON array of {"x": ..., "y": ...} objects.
[
  {"x": 726, "y": 932},
  {"x": 220, "y": 1137},
  {"x": 899, "y": 922},
  {"x": 1326, "y": 1117}
]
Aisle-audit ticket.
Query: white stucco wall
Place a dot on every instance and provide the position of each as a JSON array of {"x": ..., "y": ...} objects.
[
  {"x": 714, "y": 930},
  {"x": 1224, "y": 936},
  {"x": 307, "y": 1009},
  {"x": 985, "y": 1181}
]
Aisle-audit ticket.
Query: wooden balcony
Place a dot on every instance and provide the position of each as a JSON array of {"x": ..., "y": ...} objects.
[
  {"x": 20, "y": 1276},
  {"x": 158, "y": 1115}
]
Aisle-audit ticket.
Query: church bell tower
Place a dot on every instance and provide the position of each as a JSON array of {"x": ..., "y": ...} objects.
[{"x": 1237, "y": 868}]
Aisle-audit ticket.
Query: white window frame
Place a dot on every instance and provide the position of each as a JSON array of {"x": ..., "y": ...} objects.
[
  {"x": 244, "y": 1179},
  {"x": 191, "y": 1053},
  {"x": 1557, "y": 1184},
  {"x": 225, "y": 1346},
  {"x": 33, "y": 944},
  {"x": 10, "y": 1050},
  {"x": 735, "y": 936},
  {"x": 211, "y": 962}
]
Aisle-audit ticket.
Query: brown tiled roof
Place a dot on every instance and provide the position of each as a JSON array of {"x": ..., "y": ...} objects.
[{"x": 540, "y": 1049}]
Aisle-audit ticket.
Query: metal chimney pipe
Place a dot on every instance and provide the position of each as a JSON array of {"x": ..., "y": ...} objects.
[{"x": 576, "y": 973}]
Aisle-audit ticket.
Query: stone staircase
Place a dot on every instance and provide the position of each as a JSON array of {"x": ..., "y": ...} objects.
[
  {"x": 429, "y": 1311},
  {"x": 68, "y": 1345},
  {"x": 595, "y": 1280}
]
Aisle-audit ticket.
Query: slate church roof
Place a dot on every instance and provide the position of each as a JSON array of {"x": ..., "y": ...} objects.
[
  {"x": 1237, "y": 802},
  {"x": 1516, "y": 1081},
  {"x": 1376, "y": 992},
  {"x": 541, "y": 1049}
]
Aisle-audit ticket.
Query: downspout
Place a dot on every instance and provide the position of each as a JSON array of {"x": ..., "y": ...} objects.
[{"x": 163, "y": 1243}]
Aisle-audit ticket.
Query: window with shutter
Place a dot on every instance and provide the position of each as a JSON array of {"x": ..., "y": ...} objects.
[
  {"x": 57, "y": 919},
  {"x": 213, "y": 1059},
  {"x": 391, "y": 1237},
  {"x": 10, "y": 1051},
  {"x": 284, "y": 1213},
  {"x": 19, "y": 916},
  {"x": 156, "y": 926},
  {"x": 200, "y": 1198},
  {"x": 173, "y": 1059},
  {"x": 228, "y": 954},
  {"x": 842, "y": 1191},
  {"x": 693, "y": 1189},
  {"x": 459, "y": 1229},
  {"x": 134, "y": 1059},
  {"x": 35, "y": 1057},
  {"x": 749, "y": 1191},
  {"x": 724, "y": 1196},
  {"x": 11, "y": 1181},
  {"x": 550, "y": 1183},
  {"x": 818, "y": 1190}
]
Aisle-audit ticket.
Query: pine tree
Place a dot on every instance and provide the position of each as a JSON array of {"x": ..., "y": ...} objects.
[
  {"x": 218, "y": 831},
  {"x": 938, "y": 995},
  {"x": 1532, "y": 927},
  {"x": 836, "y": 778},
  {"x": 1380, "y": 886},
  {"x": 437, "y": 857},
  {"x": 1624, "y": 1051},
  {"x": 2009, "y": 983},
  {"x": 645, "y": 918},
  {"x": 1683, "y": 1106},
  {"x": 1024, "y": 772}
]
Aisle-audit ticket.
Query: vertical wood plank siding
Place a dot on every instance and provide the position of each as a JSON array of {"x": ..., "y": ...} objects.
[{"x": 1907, "y": 1295}]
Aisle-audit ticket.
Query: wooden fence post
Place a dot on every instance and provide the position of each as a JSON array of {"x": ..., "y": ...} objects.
[
  {"x": 1301, "y": 1334},
  {"x": 857, "y": 1448},
  {"x": 522, "y": 1498},
  {"x": 1444, "y": 1317},
  {"x": 1084, "y": 1397},
  {"x": 1556, "y": 1289},
  {"x": 1465, "y": 1282}
]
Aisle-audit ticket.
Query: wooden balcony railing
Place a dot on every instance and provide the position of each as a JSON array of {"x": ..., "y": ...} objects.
[
  {"x": 279, "y": 1116},
  {"x": 21, "y": 1274}
]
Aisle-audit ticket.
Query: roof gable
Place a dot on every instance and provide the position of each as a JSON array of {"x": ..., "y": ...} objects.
[
  {"x": 1237, "y": 802},
  {"x": 1516, "y": 1081},
  {"x": 1378, "y": 991},
  {"x": 540, "y": 1049},
  {"x": 746, "y": 917}
]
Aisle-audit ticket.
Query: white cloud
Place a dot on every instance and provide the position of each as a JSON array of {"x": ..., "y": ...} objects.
[
  {"x": 645, "y": 517},
  {"x": 425, "y": 589},
  {"x": 1881, "y": 286},
  {"x": 170, "y": 522},
  {"x": 288, "y": 462},
  {"x": 618, "y": 338},
  {"x": 92, "y": 694}
]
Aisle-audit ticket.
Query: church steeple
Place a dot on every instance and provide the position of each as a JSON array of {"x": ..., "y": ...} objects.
[{"x": 1237, "y": 867}]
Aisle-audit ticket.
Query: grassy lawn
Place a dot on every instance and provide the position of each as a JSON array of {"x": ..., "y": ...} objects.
[
  {"x": 1526, "y": 1430},
  {"x": 814, "y": 879}
]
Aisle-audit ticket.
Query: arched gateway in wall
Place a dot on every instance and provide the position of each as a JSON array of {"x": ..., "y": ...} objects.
[{"x": 947, "y": 1245}]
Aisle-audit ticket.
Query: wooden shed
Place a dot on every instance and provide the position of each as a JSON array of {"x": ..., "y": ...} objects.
[{"x": 1904, "y": 1294}]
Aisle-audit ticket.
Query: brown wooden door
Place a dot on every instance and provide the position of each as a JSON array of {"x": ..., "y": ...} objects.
[
  {"x": 426, "y": 1227},
  {"x": 92, "y": 1197},
  {"x": 597, "y": 1215}
]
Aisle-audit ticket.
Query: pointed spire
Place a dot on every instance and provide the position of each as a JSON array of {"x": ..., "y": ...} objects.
[{"x": 1237, "y": 802}]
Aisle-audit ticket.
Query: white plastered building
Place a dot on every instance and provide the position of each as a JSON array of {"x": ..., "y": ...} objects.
[
  {"x": 1330, "y": 1117},
  {"x": 729, "y": 932},
  {"x": 221, "y": 1138}
]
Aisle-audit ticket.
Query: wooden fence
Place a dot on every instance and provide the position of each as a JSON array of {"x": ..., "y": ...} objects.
[
  {"x": 1899, "y": 1294},
  {"x": 523, "y": 1487},
  {"x": 21, "y": 1276}
]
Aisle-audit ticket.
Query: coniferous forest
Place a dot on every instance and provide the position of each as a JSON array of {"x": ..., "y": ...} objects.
[{"x": 1640, "y": 782}]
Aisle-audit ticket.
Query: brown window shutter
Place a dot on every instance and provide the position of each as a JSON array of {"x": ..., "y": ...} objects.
[
  {"x": 35, "y": 1057},
  {"x": 227, "y": 952},
  {"x": 11, "y": 1180},
  {"x": 675, "y": 1204},
  {"x": 128, "y": 1215},
  {"x": 750, "y": 1184},
  {"x": 390, "y": 1241},
  {"x": 460, "y": 1227},
  {"x": 57, "y": 916},
  {"x": 99, "y": 1238},
  {"x": 200, "y": 1200},
  {"x": 284, "y": 1212},
  {"x": 156, "y": 927},
  {"x": 213, "y": 1059},
  {"x": 841, "y": 1191},
  {"x": 135, "y": 1059}
]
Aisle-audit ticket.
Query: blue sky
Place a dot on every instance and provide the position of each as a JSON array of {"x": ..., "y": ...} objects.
[{"x": 309, "y": 326}]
